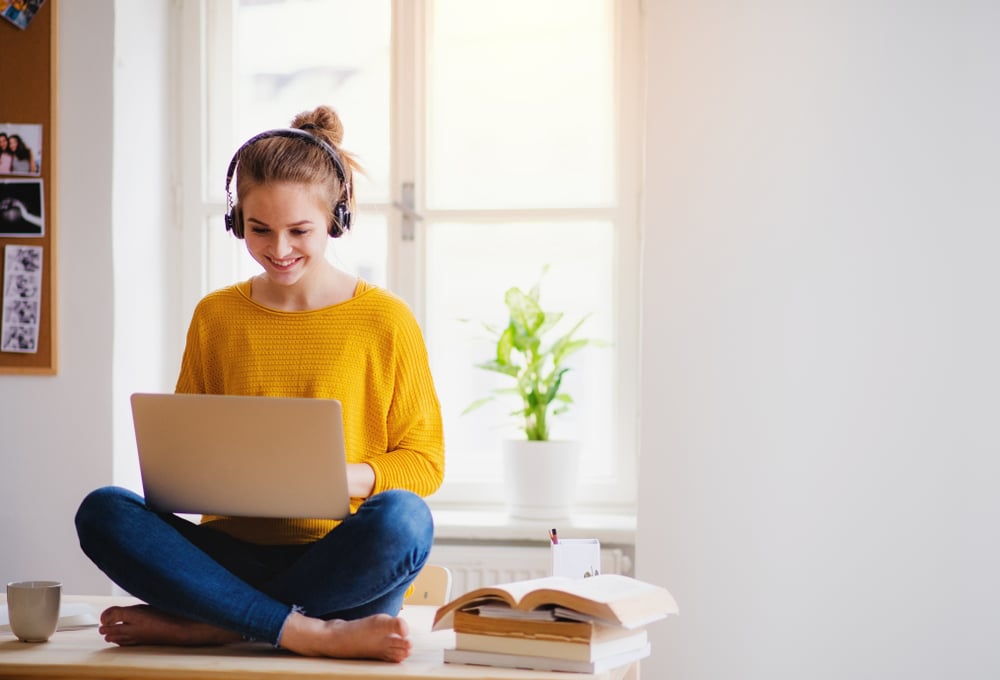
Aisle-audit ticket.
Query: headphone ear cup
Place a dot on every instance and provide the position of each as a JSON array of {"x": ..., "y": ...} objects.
[
  {"x": 234, "y": 222},
  {"x": 341, "y": 220}
]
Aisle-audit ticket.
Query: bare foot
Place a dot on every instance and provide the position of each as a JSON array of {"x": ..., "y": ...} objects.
[
  {"x": 142, "y": 625},
  {"x": 380, "y": 637}
]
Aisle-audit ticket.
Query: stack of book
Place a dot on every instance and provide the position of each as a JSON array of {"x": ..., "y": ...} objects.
[{"x": 561, "y": 624}]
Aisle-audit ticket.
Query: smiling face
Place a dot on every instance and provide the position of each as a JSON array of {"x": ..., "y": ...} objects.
[{"x": 286, "y": 229}]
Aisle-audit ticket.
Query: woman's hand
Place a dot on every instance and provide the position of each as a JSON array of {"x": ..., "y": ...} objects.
[{"x": 360, "y": 480}]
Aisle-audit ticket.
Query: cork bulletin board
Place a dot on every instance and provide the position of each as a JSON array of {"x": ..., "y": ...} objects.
[{"x": 28, "y": 186}]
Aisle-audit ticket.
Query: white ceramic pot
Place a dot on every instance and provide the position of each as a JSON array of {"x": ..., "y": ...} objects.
[{"x": 540, "y": 478}]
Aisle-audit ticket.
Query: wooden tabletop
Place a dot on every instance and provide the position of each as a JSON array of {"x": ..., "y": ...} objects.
[{"x": 84, "y": 655}]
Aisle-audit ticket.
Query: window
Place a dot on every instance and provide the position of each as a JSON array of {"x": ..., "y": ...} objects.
[{"x": 498, "y": 139}]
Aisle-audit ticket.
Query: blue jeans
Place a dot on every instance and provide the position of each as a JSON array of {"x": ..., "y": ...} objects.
[{"x": 362, "y": 567}]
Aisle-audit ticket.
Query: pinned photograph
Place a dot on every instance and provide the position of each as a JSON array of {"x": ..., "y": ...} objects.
[
  {"x": 20, "y": 12},
  {"x": 20, "y": 148},
  {"x": 22, "y": 297},
  {"x": 21, "y": 208}
]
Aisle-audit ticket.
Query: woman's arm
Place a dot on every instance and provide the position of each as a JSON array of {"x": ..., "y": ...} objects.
[{"x": 415, "y": 456}]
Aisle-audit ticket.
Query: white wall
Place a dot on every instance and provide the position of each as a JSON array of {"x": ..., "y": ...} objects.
[
  {"x": 116, "y": 253},
  {"x": 820, "y": 444},
  {"x": 57, "y": 430},
  {"x": 146, "y": 249}
]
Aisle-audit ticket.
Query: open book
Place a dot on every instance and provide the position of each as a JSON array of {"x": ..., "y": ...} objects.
[{"x": 607, "y": 598}]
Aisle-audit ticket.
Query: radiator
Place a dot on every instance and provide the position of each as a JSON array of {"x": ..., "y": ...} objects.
[{"x": 473, "y": 566}]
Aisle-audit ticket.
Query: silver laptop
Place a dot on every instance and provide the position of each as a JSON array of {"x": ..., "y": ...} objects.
[{"x": 242, "y": 456}]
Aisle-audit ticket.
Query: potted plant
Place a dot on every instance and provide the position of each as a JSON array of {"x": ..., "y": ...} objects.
[{"x": 540, "y": 473}]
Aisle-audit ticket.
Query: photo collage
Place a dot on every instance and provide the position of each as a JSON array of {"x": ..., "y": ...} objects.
[{"x": 22, "y": 215}]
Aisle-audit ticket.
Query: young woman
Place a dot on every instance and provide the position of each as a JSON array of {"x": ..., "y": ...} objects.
[
  {"x": 6, "y": 157},
  {"x": 23, "y": 162},
  {"x": 300, "y": 328}
]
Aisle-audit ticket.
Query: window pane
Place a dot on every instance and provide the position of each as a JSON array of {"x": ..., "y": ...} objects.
[
  {"x": 520, "y": 104},
  {"x": 469, "y": 268},
  {"x": 293, "y": 55}
]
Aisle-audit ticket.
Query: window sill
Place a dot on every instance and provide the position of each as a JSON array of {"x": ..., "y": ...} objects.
[{"x": 459, "y": 525}]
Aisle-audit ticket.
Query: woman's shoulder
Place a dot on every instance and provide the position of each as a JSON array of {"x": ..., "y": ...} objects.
[
  {"x": 375, "y": 296},
  {"x": 223, "y": 297},
  {"x": 385, "y": 309}
]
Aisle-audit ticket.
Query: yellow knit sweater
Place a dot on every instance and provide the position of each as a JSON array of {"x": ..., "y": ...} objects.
[{"x": 368, "y": 352}]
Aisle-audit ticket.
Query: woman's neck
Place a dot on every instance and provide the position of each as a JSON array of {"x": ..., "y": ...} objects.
[{"x": 328, "y": 286}]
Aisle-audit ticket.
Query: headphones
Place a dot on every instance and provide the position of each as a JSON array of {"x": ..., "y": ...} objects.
[{"x": 341, "y": 213}]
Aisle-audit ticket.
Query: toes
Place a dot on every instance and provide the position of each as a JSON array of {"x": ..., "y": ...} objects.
[
  {"x": 111, "y": 615},
  {"x": 116, "y": 637},
  {"x": 397, "y": 654},
  {"x": 397, "y": 649}
]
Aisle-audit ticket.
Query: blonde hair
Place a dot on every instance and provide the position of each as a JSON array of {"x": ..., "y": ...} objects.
[{"x": 286, "y": 159}]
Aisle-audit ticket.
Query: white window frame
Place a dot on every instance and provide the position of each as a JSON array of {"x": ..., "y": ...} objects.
[{"x": 202, "y": 105}]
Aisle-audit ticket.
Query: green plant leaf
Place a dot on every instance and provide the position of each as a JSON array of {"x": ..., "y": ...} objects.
[
  {"x": 504, "y": 346},
  {"x": 565, "y": 347},
  {"x": 550, "y": 322},
  {"x": 553, "y": 390},
  {"x": 525, "y": 311},
  {"x": 497, "y": 367}
]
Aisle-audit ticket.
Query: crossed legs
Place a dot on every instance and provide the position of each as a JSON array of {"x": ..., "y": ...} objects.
[{"x": 336, "y": 597}]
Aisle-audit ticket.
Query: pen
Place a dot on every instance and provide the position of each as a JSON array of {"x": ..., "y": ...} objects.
[{"x": 554, "y": 536}]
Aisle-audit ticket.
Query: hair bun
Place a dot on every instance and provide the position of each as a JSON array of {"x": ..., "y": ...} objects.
[{"x": 324, "y": 121}]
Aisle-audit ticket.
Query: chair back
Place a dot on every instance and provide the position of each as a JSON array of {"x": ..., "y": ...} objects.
[{"x": 432, "y": 586}]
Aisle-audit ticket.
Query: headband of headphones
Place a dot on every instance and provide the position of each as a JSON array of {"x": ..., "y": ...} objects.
[{"x": 341, "y": 212}]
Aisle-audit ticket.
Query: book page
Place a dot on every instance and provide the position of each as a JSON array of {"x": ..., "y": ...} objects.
[
  {"x": 610, "y": 597},
  {"x": 511, "y": 593}
]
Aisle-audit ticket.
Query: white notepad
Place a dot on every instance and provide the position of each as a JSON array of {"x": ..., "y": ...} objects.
[{"x": 72, "y": 615}]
